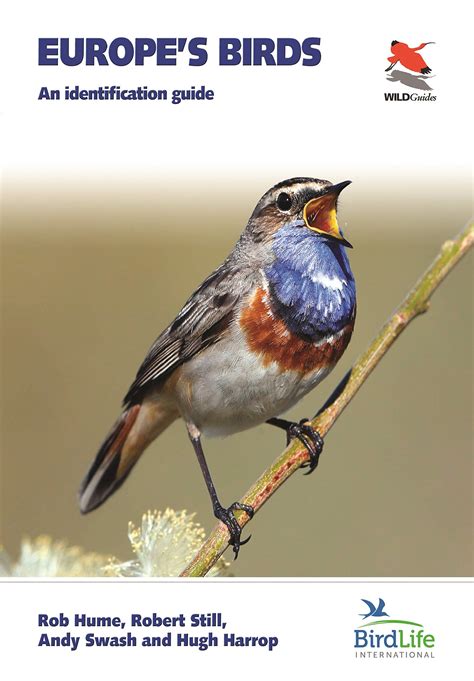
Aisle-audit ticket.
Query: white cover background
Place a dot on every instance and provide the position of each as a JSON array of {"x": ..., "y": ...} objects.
[
  {"x": 315, "y": 624},
  {"x": 261, "y": 116}
]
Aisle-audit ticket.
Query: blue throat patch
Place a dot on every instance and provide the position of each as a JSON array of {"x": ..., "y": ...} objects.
[{"x": 311, "y": 284}]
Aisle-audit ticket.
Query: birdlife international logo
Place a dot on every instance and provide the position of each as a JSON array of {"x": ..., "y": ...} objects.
[
  {"x": 409, "y": 68},
  {"x": 384, "y": 636}
]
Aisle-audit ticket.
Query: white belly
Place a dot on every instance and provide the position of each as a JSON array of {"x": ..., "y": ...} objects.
[{"x": 226, "y": 388}]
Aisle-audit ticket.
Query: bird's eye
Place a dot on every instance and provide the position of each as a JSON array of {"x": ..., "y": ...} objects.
[{"x": 284, "y": 201}]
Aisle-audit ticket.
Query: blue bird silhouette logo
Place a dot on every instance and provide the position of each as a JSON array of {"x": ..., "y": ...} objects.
[{"x": 374, "y": 611}]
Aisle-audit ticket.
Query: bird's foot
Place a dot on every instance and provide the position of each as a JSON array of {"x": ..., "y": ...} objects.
[
  {"x": 226, "y": 515},
  {"x": 306, "y": 434},
  {"x": 311, "y": 439}
]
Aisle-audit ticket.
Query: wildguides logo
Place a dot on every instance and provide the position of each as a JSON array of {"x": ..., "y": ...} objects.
[
  {"x": 414, "y": 74},
  {"x": 384, "y": 637}
]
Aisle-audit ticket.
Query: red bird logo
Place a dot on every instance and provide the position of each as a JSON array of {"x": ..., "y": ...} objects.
[{"x": 408, "y": 57}]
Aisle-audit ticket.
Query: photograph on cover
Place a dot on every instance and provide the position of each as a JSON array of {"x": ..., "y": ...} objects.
[{"x": 188, "y": 276}]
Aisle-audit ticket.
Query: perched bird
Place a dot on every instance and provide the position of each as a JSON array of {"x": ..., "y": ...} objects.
[
  {"x": 374, "y": 610},
  {"x": 408, "y": 57},
  {"x": 258, "y": 334}
]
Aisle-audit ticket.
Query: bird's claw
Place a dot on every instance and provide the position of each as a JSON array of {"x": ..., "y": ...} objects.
[
  {"x": 311, "y": 439},
  {"x": 226, "y": 515},
  {"x": 237, "y": 506}
]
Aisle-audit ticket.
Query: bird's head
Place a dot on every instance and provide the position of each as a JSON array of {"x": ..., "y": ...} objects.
[{"x": 303, "y": 203}]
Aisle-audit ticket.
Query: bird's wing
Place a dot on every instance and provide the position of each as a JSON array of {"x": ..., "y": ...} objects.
[
  {"x": 201, "y": 322},
  {"x": 415, "y": 62},
  {"x": 381, "y": 605},
  {"x": 371, "y": 607}
]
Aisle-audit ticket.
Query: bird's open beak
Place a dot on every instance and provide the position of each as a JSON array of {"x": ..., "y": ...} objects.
[{"x": 320, "y": 213}]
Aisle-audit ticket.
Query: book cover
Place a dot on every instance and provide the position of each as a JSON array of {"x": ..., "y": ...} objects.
[{"x": 210, "y": 212}]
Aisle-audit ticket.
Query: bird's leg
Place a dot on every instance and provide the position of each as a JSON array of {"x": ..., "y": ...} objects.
[
  {"x": 225, "y": 515},
  {"x": 391, "y": 66},
  {"x": 307, "y": 435}
]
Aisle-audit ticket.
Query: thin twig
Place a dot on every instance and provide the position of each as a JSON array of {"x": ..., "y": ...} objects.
[{"x": 416, "y": 303}]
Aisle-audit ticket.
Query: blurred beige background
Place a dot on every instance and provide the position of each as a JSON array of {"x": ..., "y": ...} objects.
[{"x": 91, "y": 276}]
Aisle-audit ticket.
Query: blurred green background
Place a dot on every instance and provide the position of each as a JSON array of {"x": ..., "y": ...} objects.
[{"x": 88, "y": 281}]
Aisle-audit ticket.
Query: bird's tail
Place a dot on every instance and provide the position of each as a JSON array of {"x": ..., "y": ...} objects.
[{"x": 133, "y": 431}]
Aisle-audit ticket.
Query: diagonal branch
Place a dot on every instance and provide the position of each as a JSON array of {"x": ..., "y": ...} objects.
[{"x": 416, "y": 303}]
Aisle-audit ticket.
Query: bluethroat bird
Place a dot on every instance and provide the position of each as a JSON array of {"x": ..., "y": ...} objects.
[{"x": 258, "y": 334}]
